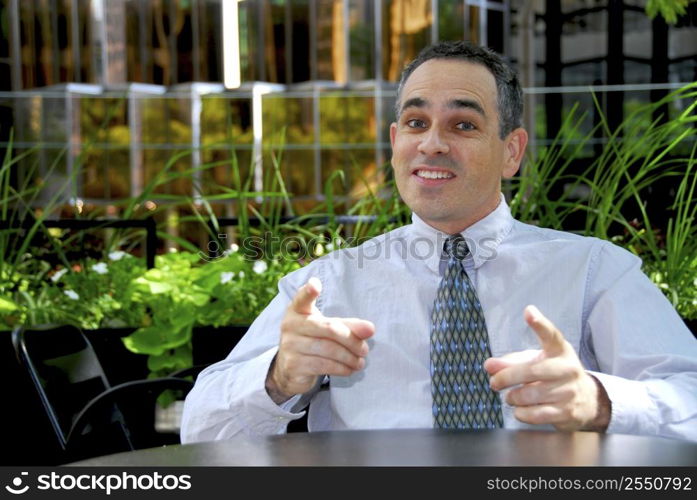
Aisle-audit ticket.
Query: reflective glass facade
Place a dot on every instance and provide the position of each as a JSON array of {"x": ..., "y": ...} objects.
[{"x": 128, "y": 88}]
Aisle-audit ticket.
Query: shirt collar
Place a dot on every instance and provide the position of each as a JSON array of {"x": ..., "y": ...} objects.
[{"x": 483, "y": 237}]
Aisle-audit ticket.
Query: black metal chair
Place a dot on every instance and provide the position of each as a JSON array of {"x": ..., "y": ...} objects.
[{"x": 89, "y": 416}]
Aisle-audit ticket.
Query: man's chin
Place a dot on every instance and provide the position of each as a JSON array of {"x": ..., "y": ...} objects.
[{"x": 437, "y": 218}]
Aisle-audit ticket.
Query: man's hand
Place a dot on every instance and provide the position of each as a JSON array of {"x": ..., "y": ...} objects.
[
  {"x": 553, "y": 387},
  {"x": 313, "y": 345}
]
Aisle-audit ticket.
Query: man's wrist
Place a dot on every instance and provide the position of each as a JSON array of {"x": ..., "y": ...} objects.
[
  {"x": 603, "y": 409},
  {"x": 272, "y": 388}
]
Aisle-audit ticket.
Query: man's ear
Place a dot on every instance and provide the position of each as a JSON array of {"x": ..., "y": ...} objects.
[
  {"x": 393, "y": 133},
  {"x": 514, "y": 150}
]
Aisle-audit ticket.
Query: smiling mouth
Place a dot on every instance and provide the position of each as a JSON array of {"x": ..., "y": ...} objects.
[{"x": 434, "y": 174}]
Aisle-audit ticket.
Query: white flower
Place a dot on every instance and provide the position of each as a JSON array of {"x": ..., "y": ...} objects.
[
  {"x": 71, "y": 294},
  {"x": 333, "y": 245},
  {"x": 260, "y": 267},
  {"x": 100, "y": 268},
  {"x": 226, "y": 277},
  {"x": 117, "y": 255},
  {"x": 241, "y": 275},
  {"x": 233, "y": 248},
  {"x": 58, "y": 275}
]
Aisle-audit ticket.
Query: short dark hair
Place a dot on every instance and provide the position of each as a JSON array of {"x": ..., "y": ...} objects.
[{"x": 509, "y": 94}]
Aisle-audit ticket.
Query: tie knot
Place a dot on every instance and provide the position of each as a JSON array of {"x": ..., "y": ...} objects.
[{"x": 456, "y": 247}]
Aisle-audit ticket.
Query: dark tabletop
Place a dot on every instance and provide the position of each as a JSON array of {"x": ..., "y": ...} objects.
[{"x": 419, "y": 447}]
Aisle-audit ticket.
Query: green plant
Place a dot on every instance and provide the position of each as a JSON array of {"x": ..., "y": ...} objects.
[
  {"x": 20, "y": 273},
  {"x": 610, "y": 197},
  {"x": 184, "y": 291},
  {"x": 671, "y": 261},
  {"x": 667, "y": 9},
  {"x": 163, "y": 304}
]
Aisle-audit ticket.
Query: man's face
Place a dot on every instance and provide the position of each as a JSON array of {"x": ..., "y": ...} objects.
[{"x": 448, "y": 158}]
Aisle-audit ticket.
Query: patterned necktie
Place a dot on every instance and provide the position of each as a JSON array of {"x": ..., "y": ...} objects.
[{"x": 462, "y": 397}]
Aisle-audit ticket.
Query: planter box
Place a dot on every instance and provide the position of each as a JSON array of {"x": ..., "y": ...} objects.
[{"x": 213, "y": 344}]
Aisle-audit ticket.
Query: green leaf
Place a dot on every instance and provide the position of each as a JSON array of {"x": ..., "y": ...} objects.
[
  {"x": 171, "y": 360},
  {"x": 7, "y": 306},
  {"x": 156, "y": 339},
  {"x": 154, "y": 287}
]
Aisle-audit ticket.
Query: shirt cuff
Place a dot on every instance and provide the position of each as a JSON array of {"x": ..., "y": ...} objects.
[
  {"x": 633, "y": 411},
  {"x": 261, "y": 414}
]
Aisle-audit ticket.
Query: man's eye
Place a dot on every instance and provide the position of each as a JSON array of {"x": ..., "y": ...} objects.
[
  {"x": 414, "y": 123},
  {"x": 465, "y": 126}
]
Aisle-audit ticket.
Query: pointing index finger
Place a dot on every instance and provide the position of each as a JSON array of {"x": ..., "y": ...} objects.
[
  {"x": 551, "y": 339},
  {"x": 304, "y": 300}
]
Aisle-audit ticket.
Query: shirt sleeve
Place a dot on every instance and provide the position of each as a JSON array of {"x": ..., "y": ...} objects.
[
  {"x": 647, "y": 357},
  {"x": 229, "y": 397}
]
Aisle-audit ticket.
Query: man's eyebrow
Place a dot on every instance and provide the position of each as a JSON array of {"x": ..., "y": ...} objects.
[
  {"x": 419, "y": 102},
  {"x": 467, "y": 103},
  {"x": 414, "y": 102}
]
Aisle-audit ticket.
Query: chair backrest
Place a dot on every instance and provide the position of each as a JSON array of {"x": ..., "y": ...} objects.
[{"x": 67, "y": 375}]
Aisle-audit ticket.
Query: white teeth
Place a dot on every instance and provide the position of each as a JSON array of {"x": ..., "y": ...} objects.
[{"x": 430, "y": 174}]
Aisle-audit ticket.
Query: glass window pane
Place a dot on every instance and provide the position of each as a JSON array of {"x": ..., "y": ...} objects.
[
  {"x": 87, "y": 70},
  {"x": 495, "y": 31},
  {"x": 226, "y": 119},
  {"x": 298, "y": 170},
  {"x": 118, "y": 178},
  {"x": 63, "y": 39},
  {"x": 94, "y": 184},
  {"x": 300, "y": 39},
  {"x": 474, "y": 26},
  {"x": 184, "y": 41},
  {"x": 358, "y": 167},
  {"x": 362, "y": 40},
  {"x": 287, "y": 120},
  {"x": 407, "y": 24},
  {"x": 451, "y": 19},
  {"x": 249, "y": 41},
  {"x": 346, "y": 119},
  {"x": 331, "y": 43},
  {"x": 591, "y": 73},
  {"x": 226, "y": 169},
  {"x": 210, "y": 41},
  {"x": 138, "y": 35},
  {"x": 175, "y": 181}
]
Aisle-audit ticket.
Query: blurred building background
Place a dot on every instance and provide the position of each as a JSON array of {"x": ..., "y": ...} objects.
[{"x": 126, "y": 88}]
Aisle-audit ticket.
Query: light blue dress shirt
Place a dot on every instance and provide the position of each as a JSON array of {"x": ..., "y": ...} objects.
[{"x": 623, "y": 329}]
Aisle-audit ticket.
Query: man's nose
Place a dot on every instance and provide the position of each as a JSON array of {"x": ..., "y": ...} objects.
[{"x": 432, "y": 143}]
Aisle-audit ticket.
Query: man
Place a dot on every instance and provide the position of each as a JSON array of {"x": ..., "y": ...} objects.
[{"x": 356, "y": 332}]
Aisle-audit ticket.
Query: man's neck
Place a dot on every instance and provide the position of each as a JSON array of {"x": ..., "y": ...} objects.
[{"x": 459, "y": 225}]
